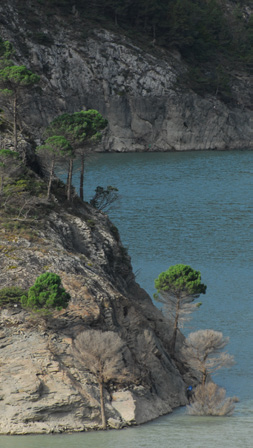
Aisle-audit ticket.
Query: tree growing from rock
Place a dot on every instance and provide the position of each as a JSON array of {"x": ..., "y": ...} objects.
[
  {"x": 81, "y": 129},
  {"x": 177, "y": 288},
  {"x": 9, "y": 164},
  {"x": 6, "y": 53},
  {"x": 102, "y": 354},
  {"x": 104, "y": 198},
  {"x": 46, "y": 294},
  {"x": 55, "y": 148},
  {"x": 210, "y": 399},
  {"x": 94, "y": 123},
  {"x": 11, "y": 295},
  {"x": 203, "y": 352},
  {"x": 14, "y": 79},
  {"x": 15, "y": 190}
]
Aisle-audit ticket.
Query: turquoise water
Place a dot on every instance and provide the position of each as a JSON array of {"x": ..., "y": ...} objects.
[{"x": 193, "y": 208}]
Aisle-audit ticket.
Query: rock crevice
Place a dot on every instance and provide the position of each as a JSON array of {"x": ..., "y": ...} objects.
[{"x": 43, "y": 387}]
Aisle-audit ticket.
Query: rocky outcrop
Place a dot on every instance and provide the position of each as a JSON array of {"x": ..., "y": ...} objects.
[
  {"x": 136, "y": 90},
  {"x": 43, "y": 387}
]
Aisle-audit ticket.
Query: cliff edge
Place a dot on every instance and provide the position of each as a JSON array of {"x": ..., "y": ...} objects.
[{"x": 43, "y": 387}]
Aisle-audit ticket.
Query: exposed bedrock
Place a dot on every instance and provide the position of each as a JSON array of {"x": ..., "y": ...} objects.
[{"x": 138, "y": 92}]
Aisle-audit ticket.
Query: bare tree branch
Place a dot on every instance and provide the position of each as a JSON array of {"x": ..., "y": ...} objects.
[
  {"x": 203, "y": 352},
  {"x": 102, "y": 353},
  {"x": 209, "y": 399}
]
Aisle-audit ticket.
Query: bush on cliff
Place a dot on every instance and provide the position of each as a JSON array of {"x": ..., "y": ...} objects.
[
  {"x": 11, "y": 295},
  {"x": 46, "y": 294}
]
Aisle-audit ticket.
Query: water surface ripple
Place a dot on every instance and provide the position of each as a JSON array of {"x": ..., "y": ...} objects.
[{"x": 193, "y": 208}]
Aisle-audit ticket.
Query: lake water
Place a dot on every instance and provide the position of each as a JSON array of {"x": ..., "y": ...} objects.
[{"x": 193, "y": 208}]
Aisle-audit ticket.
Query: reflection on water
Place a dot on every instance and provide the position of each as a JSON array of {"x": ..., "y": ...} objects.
[{"x": 192, "y": 208}]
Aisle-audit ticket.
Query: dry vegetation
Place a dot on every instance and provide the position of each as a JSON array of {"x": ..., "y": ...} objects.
[{"x": 210, "y": 399}]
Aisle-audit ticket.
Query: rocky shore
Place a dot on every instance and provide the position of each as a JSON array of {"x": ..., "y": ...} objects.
[{"x": 43, "y": 388}]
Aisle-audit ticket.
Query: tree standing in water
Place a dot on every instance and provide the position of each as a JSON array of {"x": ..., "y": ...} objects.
[
  {"x": 177, "y": 288},
  {"x": 203, "y": 351}
]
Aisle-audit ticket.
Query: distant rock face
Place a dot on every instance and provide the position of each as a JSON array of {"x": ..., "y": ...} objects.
[
  {"x": 137, "y": 92},
  {"x": 43, "y": 387}
]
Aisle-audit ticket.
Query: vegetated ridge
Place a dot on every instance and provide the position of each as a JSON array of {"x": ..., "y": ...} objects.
[
  {"x": 182, "y": 83},
  {"x": 44, "y": 384}
]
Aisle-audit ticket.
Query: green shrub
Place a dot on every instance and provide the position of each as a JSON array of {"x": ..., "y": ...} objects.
[
  {"x": 11, "y": 295},
  {"x": 46, "y": 293}
]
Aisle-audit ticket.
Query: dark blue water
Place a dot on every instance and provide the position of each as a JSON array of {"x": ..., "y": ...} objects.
[{"x": 193, "y": 208}]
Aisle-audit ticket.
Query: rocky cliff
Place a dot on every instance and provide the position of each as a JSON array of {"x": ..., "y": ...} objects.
[
  {"x": 137, "y": 91},
  {"x": 43, "y": 387}
]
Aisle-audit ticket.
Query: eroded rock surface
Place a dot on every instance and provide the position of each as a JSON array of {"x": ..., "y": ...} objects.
[
  {"x": 43, "y": 388},
  {"x": 138, "y": 92}
]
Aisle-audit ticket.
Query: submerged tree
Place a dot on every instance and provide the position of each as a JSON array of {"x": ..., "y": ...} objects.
[
  {"x": 203, "y": 352},
  {"x": 210, "y": 399},
  {"x": 102, "y": 354},
  {"x": 177, "y": 288}
]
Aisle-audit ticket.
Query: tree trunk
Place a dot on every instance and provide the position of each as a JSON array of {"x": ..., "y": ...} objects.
[
  {"x": 50, "y": 178},
  {"x": 81, "y": 176},
  {"x": 69, "y": 179},
  {"x": 15, "y": 122},
  {"x": 204, "y": 378},
  {"x": 175, "y": 327},
  {"x": 102, "y": 404},
  {"x": 204, "y": 371},
  {"x": 1, "y": 186}
]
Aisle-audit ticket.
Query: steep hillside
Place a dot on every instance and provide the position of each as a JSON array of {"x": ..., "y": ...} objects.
[
  {"x": 43, "y": 386},
  {"x": 153, "y": 98}
]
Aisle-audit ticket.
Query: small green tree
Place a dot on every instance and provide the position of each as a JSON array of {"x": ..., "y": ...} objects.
[
  {"x": 6, "y": 52},
  {"x": 55, "y": 148},
  {"x": 177, "y": 288},
  {"x": 93, "y": 123},
  {"x": 46, "y": 294},
  {"x": 11, "y": 295},
  {"x": 81, "y": 129},
  {"x": 13, "y": 80}
]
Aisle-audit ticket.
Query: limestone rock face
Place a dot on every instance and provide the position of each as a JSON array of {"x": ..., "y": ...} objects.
[
  {"x": 43, "y": 387},
  {"x": 138, "y": 92}
]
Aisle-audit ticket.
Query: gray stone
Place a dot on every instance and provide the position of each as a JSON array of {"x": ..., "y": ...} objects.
[
  {"x": 43, "y": 388},
  {"x": 136, "y": 91}
]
